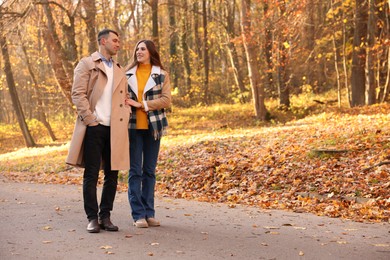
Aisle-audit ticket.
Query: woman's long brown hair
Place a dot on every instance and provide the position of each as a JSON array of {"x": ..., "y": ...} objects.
[{"x": 154, "y": 55}]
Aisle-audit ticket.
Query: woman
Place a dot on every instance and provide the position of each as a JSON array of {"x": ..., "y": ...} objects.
[{"x": 150, "y": 94}]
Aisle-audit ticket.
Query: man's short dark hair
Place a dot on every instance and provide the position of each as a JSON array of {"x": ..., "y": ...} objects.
[{"x": 104, "y": 34}]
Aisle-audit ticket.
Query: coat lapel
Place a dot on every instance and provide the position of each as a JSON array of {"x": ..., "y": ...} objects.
[
  {"x": 117, "y": 74},
  {"x": 132, "y": 80},
  {"x": 98, "y": 88},
  {"x": 151, "y": 81}
]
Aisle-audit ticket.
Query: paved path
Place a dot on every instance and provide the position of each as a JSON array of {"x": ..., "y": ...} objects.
[{"x": 48, "y": 222}]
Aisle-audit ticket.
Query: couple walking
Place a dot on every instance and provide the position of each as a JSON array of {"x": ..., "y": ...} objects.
[{"x": 121, "y": 119}]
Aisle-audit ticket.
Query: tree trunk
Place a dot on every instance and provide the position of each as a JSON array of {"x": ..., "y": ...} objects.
[
  {"x": 232, "y": 51},
  {"x": 206, "y": 59},
  {"x": 238, "y": 77},
  {"x": 336, "y": 66},
  {"x": 3, "y": 113},
  {"x": 70, "y": 43},
  {"x": 320, "y": 65},
  {"x": 268, "y": 48},
  {"x": 384, "y": 55},
  {"x": 90, "y": 22},
  {"x": 14, "y": 94},
  {"x": 63, "y": 69},
  {"x": 174, "y": 60},
  {"x": 197, "y": 39},
  {"x": 310, "y": 43},
  {"x": 358, "y": 77},
  {"x": 251, "y": 48},
  {"x": 335, "y": 57},
  {"x": 155, "y": 37},
  {"x": 346, "y": 86},
  {"x": 284, "y": 76},
  {"x": 386, "y": 89},
  {"x": 370, "y": 61},
  {"x": 186, "y": 53}
]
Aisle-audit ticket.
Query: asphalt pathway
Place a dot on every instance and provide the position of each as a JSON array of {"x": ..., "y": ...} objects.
[{"x": 48, "y": 222}]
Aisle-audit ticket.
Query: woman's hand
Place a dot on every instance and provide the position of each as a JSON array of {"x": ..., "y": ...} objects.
[{"x": 132, "y": 103}]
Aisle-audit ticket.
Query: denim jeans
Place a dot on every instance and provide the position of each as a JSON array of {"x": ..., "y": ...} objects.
[
  {"x": 144, "y": 151},
  {"x": 97, "y": 146}
]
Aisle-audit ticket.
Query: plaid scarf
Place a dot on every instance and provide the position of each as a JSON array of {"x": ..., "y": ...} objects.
[{"x": 157, "y": 119}]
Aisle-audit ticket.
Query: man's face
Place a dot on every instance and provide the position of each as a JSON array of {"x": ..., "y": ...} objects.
[{"x": 111, "y": 44}]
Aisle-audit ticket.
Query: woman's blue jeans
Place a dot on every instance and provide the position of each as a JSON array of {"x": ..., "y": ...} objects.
[{"x": 144, "y": 151}]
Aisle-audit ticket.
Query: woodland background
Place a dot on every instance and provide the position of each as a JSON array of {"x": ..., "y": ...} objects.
[
  {"x": 276, "y": 103},
  {"x": 216, "y": 51}
]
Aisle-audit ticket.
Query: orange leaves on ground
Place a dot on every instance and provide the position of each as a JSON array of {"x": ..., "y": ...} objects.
[{"x": 274, "y": 167}]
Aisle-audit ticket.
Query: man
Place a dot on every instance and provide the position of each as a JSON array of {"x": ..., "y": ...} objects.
[{"x": 100, "y": 138}]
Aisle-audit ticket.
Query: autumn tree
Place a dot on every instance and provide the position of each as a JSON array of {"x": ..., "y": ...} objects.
[
  {"x": 206, "y": 58},
  {"x": 173, "y": 45},
  {"x": 284, "y": 49},
  {"x": 62, "y": 58},
  {"x": 358, "y": 77},
  {"x": 253, "y": 65},
  {"x": 185, "y": 90},
  {"x": 89, "y": 7},
  {"x": 11, "y": 17},
  {"x": 230, "y": 8},
  {"x": 42, "y": 116}
]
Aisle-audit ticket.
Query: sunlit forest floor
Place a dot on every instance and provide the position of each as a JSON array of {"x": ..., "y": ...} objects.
[{"x": 313, "y": 158}]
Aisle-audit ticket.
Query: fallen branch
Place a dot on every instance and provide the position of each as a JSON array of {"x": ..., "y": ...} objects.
[
  {"x": 376, "y": 165},
  {"x": 325, "y": 102}
]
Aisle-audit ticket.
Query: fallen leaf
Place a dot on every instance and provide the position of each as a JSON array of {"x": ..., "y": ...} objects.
[
  {"x": 267, "y": 227},
  {"x": 272, "y": 232},
  {"x": 381, "y": 245},
  {"x": 105, "y": 247},
  {"x": 47, "y": 228},
  {"x": 301, "y": 253},
  {"x": 300, "y": 228},
  {"x": 154, "y": 244},
  {"x": 128, "y": 236}
]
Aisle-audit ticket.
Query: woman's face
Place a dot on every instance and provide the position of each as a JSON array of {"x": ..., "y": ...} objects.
[{"x": 142, "y": 53}]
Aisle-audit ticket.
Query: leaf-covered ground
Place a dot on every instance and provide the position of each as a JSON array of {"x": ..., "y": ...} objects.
[
  {"x": 314, "y": 165},
  {"x": 321, "y": 164}
]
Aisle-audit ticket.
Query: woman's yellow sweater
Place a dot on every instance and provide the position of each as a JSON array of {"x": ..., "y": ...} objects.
[{"x": 143, "y": 74}]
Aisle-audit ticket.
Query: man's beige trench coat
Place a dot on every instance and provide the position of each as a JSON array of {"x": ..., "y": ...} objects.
[{"x": 88, "y": 84}]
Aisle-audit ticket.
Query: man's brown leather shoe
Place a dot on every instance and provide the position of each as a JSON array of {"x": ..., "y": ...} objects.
[
  {"x": 106, "y": 224},
  {"x": 93, "y": 226}
]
